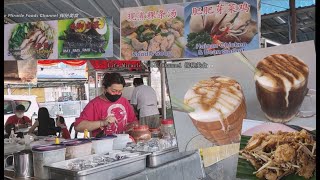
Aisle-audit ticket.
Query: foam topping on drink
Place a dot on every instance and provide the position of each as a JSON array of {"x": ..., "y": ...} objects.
[
  {"x": 282, "y": 71},
  {"x": 214, "y": 99}
]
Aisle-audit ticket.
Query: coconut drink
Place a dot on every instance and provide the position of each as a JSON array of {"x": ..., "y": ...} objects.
[{"x": 219, "y": 109}]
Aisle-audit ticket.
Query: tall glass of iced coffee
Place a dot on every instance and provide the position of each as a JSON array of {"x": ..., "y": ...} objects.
[
  {"x": 219, "y": 109},
  {"x": 281, "y": 86}
]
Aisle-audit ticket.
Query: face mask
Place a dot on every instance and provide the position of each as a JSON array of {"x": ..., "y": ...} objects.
[
  {"x": 19, "y": 115},
  {"x": 112, "y": 98}
]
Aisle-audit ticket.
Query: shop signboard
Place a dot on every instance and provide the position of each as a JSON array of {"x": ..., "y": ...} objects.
[
  {"x": 220, "y": 27},
  {"x": 60, "y": 39},
  {"x": 85, "y": 38},
  {"x": 211, "y": 96},
  {"x": 62, "y": 69},
  {"x": 152, "y": 32},
  {"x": 116, "y": 65},
  {"x": 31, "y": 40},
  {"x": 189, "y": 30}
]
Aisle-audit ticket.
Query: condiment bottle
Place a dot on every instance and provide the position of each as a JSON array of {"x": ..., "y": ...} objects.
[
  {"x": 86, "y": 134},
  {"x": 12, "y": 136},
  {"x": 57, "y": 140},
  {"x": 12, "y": 133},
  {"x": 167, "y": 128}
]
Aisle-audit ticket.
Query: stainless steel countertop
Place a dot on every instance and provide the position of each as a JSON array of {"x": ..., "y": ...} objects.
[{"x": 188, "y": 168}]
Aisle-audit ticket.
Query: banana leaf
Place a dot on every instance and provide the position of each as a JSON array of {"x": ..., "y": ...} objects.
[{"x": 245, "y": 169}]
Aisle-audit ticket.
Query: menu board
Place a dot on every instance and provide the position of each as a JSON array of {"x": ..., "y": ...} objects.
[
  {"x": 61, "y": 39},
  {"x": 152, "y": 32},
  {"x": 219, "y": 27},
  {"x": 30, "y": 41},
  {"x": 85, "y": 38},
  {"x": 188, "y": 30}
]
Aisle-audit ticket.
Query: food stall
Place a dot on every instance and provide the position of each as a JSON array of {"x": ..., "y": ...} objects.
[
  {"x": 120, "y": 158},
  {"x": 155, "y": 155}
]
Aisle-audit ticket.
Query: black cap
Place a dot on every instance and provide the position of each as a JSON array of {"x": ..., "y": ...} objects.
[{"x": 20, "y": 107}]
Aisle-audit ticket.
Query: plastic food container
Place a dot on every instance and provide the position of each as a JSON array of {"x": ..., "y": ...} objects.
[
  {"x": 102, "y": 145},
  {"x": 46, "y": 155},
  {"x": 141, "y": 133},
  {"x": 78, "y": 148},
  {"x": 121, "y": 141},
  {"x": 167, "y": 128}
]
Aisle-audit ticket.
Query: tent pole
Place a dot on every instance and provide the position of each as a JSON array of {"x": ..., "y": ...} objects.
[
  {"x": 163, "y": 89},
  {"x": 293, "y": 19}
]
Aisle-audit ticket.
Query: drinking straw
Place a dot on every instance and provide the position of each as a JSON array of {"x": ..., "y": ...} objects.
[
  {"x": 245, "y": 60},
  {"x": 181, "y": 105}
]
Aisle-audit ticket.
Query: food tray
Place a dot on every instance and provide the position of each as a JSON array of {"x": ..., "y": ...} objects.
[
  {"x": 159, "y": 158},
  {"x": 114, "y": 170}
]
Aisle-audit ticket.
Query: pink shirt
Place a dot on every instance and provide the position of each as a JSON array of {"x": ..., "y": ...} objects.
[{"x": 100, "y": 108}]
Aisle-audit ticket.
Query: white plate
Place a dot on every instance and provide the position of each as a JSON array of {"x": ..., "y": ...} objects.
[{"x": 267, "y": 127}]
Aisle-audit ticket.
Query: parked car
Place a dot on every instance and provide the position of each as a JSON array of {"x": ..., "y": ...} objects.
[{"x": 29, "y": 102}]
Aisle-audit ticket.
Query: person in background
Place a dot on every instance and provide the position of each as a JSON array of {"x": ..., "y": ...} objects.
[
  {"x": 60, "y": 122},
  {"x": 108, "y": 113},
  {"x": 46, "y": 125},
  {"x": 144, "y": 100},
  {"x": 127, "y": 91},
  {"x": 19, "y": 120}
]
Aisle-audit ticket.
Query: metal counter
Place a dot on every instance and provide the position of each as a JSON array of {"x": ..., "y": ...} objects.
[
  {"x": 187, "y": 168},
  {"x": 113, "y": 170},
  {"x": 159, "y": 158}
]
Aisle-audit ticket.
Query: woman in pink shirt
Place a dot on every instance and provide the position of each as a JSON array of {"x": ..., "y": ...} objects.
[{"x": 108, "y": 113}]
